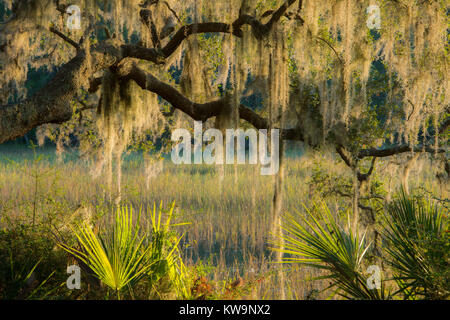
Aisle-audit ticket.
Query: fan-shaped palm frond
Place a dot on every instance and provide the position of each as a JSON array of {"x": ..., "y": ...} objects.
[
  {"x": 117, "y": 257},
  {"x": 324, "y": 244}
]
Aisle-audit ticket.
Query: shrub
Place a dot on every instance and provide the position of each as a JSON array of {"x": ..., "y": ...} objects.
[
  {"x": 29, "y": 267},
  {"x": 418, "y": 245},
  {"x": 326, "y": 245}
]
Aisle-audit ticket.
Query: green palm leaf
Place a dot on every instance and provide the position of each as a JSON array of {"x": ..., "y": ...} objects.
[
  {"x": 417, "y": 238},
  {"x": 324, "y": 244},
  {"x": 117, "y": 257}
]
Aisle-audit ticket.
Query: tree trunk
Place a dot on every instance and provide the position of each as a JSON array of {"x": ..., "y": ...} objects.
[
  {"x": 277, "y": 207},
  {"x": 355, "y": 204},
  {"x": 407, "y": 170}
]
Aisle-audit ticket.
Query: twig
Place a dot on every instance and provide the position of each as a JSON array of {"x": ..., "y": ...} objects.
[
  {"x": 65, "y": 38},
  {"x": 332, "y": 48}
]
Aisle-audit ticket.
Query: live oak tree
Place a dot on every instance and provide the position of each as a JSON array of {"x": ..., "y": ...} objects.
[{"x": 366, "y": 84}]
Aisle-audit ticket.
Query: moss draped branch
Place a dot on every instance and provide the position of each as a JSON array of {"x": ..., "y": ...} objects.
[
  {"x": 197, "y": 111},
  {"x": 52, "y": 103},
  {"x": 397, "y": 149},
  {"x": 157, "y": 55}
]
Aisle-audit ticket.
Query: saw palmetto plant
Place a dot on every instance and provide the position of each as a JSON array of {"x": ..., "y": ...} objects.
[
  {"x": 418, "y": 246},
  {"x": 321, "y": 242},
  {"x": 124, "y": 253},
  {"x": 165, "y": 251}
]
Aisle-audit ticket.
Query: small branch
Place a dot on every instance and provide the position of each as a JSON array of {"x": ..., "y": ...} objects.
[
  {"x": 65, "y": 38},
  {"x": 197, "y": 111},
  {"x": 107, "y": 33},
  {"x": 300, "y": 5},
  {"x": 279, "y": 13},
  {"x": 364, "y": 176},
  {"x": 346, "y": 156},
  {"x": 397, "y": 149},
  {"x": 332, "y": 48},
  {"x": 412, "y": 111},
  {"x": 173, "y": 12},
  {"x": 94, "y": 84},
  {"x": 61, "y": 8},
  {"x": 185, "y": 31}
]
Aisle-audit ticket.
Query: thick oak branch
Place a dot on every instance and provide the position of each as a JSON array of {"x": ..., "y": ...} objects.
[{"x": 197, "y": 111}]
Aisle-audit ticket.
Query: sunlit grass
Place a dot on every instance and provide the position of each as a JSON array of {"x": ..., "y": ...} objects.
[{"x": 230, "y": 220}]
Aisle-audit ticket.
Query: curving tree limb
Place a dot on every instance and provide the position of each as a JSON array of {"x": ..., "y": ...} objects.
[{"x": 197, "y": 111}]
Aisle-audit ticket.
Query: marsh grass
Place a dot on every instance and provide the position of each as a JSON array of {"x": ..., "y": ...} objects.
[{"x": 229, "y": 221}]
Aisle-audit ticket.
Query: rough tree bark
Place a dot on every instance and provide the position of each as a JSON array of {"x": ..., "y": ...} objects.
[{"x": 406, "y": 171}]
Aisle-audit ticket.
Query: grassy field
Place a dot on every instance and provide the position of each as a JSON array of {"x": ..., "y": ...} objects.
[{"x": 229, "y": 219}]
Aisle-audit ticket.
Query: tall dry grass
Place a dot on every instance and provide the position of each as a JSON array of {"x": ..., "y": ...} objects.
[{"x": 230, "y": 219}]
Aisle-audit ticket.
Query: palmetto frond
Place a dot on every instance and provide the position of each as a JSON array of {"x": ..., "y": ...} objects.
[
  {"x": 324, "y": 244},
  {"x": 418, "y": 244}
]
